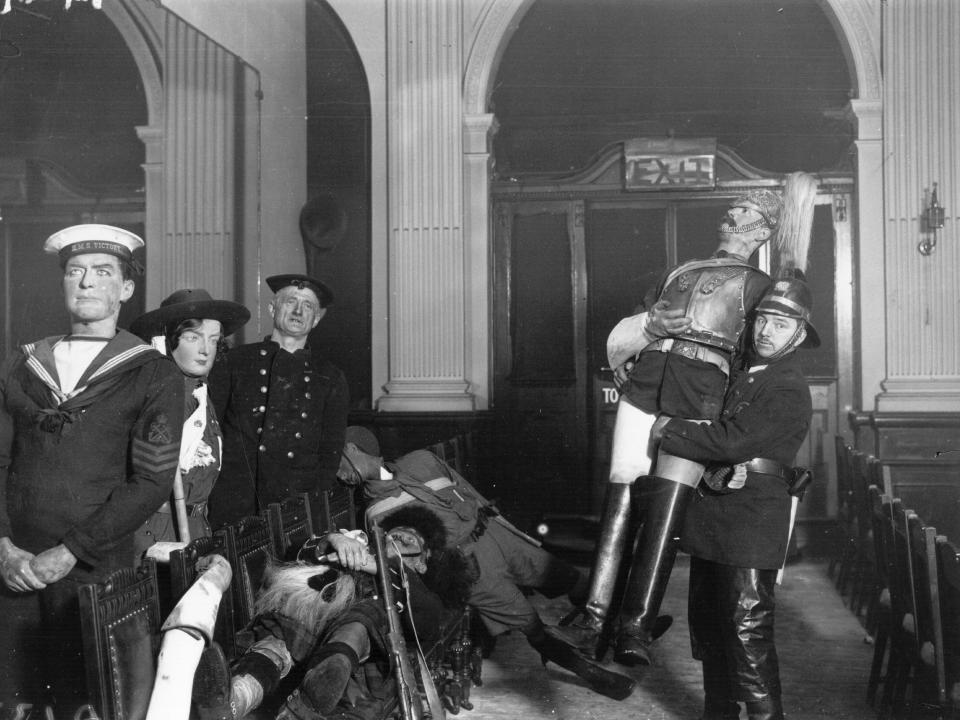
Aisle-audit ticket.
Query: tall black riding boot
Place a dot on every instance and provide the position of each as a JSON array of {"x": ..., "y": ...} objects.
[
  {"x": 718, "y": 698},
  {"x": 767, "y": 709},
  {"x": 663, "y": 504},
  {"x": 551, "y": 648},
  {"x": 756, "y": 666},
  {"x": 585, "y": 630}
]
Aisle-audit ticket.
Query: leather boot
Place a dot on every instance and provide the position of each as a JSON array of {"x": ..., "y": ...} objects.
[
  {"x": 718, "y": 702},
  {"x": 768, "y": 708},
  {"x": 211, "y": 685},
  {"x": 552, "y": 648},
  {"x": 323, "y": 685},
  {"x": 583, "y": 629},
  {"x": 663, "y": 504}
]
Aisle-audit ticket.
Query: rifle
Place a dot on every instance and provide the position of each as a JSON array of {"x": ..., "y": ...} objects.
[{"x": 411, "y": 706}]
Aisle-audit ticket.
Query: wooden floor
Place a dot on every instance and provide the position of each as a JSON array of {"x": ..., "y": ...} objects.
[{"x": 824, "y": 659}]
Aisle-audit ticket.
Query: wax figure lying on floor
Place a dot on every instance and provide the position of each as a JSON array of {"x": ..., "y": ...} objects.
[
  {"x": 322, "y": 614},
  {"x": 508, "y": 560}
]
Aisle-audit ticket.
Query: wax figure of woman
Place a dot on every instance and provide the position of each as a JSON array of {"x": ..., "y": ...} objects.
[{"x": 190, "y": 327}]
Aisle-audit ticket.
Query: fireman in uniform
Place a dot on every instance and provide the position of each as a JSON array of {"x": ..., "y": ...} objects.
[
  {"x": 687, "y": 344},
  {"x": 737, "y": 535},
  {"x": 283, "y": 409}
]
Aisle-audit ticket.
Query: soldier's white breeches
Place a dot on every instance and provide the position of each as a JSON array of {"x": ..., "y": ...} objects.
[{"x": 633, "y": 454}]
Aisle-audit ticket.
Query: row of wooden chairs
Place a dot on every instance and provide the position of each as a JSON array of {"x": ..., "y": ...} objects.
[
  {"x": 916, "y": 664},
  {"x": 458, "y": 451},
  {"x": 853, "y": 566},
  {"x": 121, "y": 617},
  {"x": 902, "y": 579}
]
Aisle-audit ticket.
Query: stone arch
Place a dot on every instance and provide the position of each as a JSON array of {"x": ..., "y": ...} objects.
[
  {"x": 145, "y": 46},
  {"x": 857, "y": 24}
]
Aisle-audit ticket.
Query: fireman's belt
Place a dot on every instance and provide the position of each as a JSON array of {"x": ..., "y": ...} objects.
[
  {"x": 693, "y": 350},
  {"x": 766, "y": 466},
  {"x": 192, "y": 510}
]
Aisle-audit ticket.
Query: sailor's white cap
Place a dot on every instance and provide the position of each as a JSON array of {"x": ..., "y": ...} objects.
[{"x": 94, "y": 238}]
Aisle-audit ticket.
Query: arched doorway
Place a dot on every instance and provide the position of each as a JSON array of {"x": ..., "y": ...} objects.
[
  {"x": 337, "y": 247},
  {"x": 734, "y": 78},
  {"x": 73, "y": 97}
]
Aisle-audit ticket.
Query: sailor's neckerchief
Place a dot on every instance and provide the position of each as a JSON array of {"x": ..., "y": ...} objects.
[{"x": 122, "y": 352}]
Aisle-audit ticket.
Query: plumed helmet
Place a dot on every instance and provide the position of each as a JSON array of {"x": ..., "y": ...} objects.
[
  {"x": 765, "y": 202},
  {"x": 791, "y": 297}
]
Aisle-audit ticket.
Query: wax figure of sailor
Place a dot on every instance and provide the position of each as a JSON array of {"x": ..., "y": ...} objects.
[
  {"x": 684, "y": 348},
  {"x": 90, "y": 427},
  {"x": 737, "y": 533}
]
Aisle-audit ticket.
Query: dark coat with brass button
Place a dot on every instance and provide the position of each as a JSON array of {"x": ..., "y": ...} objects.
[
  {"x": 766, "y": 413},
  {"x": 283, "y": 417}
]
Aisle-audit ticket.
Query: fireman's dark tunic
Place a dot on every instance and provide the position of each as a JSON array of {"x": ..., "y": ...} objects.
[
  {"x": 766, "y": 414},
  {"x": 283, "y": 417}
]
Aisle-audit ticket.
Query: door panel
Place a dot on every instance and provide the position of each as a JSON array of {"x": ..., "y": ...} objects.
[
  {"x": 550, "y": 364},
  {"x": 536, "y": 391}
]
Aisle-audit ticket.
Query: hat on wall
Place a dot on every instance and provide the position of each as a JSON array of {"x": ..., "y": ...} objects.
[
  {"x": 94, "y": 238},
  {"x": 323, "y": 292},
  {"x": 186, "y": 304},
  {"x": 323, "y": 222}
]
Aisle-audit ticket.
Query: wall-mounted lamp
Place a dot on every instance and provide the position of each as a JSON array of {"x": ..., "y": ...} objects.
[
  {"x": 840, "y": 207},
  {"x": 933, "y": 216}
]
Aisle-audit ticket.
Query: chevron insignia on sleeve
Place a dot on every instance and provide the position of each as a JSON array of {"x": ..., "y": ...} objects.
[{"x": 155, "y": 458}]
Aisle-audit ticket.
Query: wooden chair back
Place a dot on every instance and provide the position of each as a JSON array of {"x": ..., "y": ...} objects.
[
  {"x": 250, "y": 546},
  {"x": 120, "y": 623},
  {"x": 291, "y": 524},
  {"x": 183, "y": 572}
]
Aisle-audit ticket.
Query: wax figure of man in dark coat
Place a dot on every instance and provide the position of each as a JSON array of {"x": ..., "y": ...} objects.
[
  {"x": 737, "y": 535},
  {"x": 90, "y": 427},
  {"x": 282, "y": 408}
]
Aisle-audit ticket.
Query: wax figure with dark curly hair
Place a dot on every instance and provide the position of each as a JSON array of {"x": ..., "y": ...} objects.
[{"x": 321, "y": 616}]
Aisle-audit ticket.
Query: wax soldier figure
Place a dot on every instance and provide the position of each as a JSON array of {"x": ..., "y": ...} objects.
[
  {"x": 686, "y": 344},
  {"x": 90, "y": 427},
  {"x": 323, "y": 615},
  {"x": 283, "y": 409},
  {"x": 507, "y": 559},
  {"x": 738, "y": 538}
]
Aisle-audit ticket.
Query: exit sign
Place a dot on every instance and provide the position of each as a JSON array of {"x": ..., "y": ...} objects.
[{"x": 670, "y": 164}]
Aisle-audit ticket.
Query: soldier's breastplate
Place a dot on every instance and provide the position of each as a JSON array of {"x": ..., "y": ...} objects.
[{"x": 713, "y": 298}]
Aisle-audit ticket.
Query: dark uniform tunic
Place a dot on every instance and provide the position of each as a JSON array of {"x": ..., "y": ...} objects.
[
  {"x": 86, "y": 473},
  {"x": 283, "y": 417},
  {"x": 198, "y": 478},
  {"x": 766, "y": 414}
]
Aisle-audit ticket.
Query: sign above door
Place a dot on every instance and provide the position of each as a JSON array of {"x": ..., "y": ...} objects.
[{"x": 658, "y": 164}]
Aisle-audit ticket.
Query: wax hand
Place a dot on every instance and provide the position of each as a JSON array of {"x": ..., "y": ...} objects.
[
  {"x": 15, "y": 568},
  {"x": 351, "y": 554},
  {"x": 53, "y": 564},
  {"x": 620, "y": 374},
  {"x": 739, "y": 477},
  {"x": 664, "y": 322}
]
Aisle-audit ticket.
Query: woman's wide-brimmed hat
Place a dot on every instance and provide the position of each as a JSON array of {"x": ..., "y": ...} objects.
[{"x": 186, "y": 304}]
